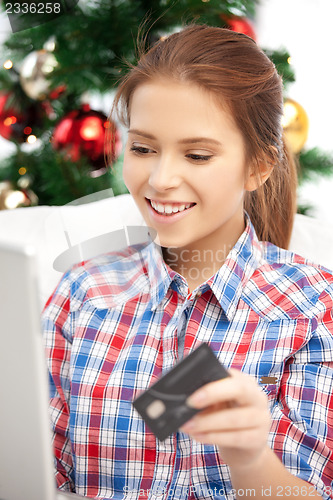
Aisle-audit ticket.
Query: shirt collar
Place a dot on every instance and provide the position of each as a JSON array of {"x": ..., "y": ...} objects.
[
  {"x": 227, "y": 283},
  {"x": 159, "y": 274}
]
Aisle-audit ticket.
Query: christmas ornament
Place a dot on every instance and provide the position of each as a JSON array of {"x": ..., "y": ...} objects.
[
  {"x": 17, "y": 124},
  {"x": 35, "y": 70},
  {"x": 14, "y": 198},
  {"x": 82, "y": 133},
  {"x": 295, "y": 124},
  {"x": 239, "y": 24}
]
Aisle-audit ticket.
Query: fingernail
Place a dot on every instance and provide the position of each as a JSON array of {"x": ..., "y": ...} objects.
[{"x": 196, "y": 399}]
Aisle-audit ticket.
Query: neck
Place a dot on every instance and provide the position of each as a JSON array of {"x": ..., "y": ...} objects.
[
  {"x": 199, "y": 261},
  {"x": 195, "y": 265}
]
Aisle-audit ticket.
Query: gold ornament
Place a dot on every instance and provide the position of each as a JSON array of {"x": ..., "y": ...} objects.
[
  {"x": 295, "y": 124},
  {"x": 13, "y": 198}
]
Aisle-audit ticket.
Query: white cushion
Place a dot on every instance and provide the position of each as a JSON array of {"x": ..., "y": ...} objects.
[
  {"x": 313, "y": 239},
  {"x": 68, "y": 234}
]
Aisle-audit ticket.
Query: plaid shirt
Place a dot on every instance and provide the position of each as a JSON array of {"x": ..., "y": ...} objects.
[{"x": 115, "y": 324}]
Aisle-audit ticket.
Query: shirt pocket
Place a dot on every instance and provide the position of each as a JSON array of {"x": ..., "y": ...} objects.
[{"x": 270, "y": 385}]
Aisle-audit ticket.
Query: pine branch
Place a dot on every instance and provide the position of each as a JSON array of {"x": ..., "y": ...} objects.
[
  {"x": 314, "y": 162},
  {"x": 281, "y": 60},
  {"x": 91, "y": 46},
  {"x": 89, "y": 62},
  {"x": 55, "y": 179}
]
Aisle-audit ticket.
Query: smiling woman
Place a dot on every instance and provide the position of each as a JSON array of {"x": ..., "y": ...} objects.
[
  {"x": 240, "y": 81},
  {"x": 195, "y": 160},
  {"x": 207, "y": 166}
]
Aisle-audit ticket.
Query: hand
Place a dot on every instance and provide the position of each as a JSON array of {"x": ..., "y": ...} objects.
[{"x": 235, "y": 417}]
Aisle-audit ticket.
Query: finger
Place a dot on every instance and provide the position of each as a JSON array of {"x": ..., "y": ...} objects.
[
  {"x": 239, "y": 387},
  {"x": 236, "y": 439},
  {"x": 228, "y": 420}
]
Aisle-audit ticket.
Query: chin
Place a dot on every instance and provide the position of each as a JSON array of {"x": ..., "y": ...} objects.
[{"x": 166, "y": 242}]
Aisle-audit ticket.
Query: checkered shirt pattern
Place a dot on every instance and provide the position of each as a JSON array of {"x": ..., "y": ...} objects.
[{"x": 114, "y": 325}]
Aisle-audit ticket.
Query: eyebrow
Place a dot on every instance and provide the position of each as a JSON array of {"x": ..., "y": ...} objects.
[{"x": 189, "y": 140}]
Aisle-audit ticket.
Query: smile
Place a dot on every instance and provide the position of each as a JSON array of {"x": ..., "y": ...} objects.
[
  {"x": 169, "y": 208},
  {"x": 165, "y": 212}
]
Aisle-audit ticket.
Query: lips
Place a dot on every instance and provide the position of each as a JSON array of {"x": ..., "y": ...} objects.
[
  {"x": 171, "y": 208},
  {"x": 169, "y": 212}
]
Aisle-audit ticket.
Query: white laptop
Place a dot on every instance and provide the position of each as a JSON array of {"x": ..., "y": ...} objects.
[{"x": 26, "y": 457}]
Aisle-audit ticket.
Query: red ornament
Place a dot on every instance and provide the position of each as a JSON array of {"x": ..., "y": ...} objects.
[
  {"x": 240, "y": 25},
  {"x": 82, "y": 133},
  {"x": 17, "y": 124}
]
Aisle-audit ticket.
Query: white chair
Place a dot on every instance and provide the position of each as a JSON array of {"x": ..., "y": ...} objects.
[{"x": 68, "y": 234}]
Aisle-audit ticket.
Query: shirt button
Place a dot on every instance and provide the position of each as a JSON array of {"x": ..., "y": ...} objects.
[{"x": 195, "y": 295}]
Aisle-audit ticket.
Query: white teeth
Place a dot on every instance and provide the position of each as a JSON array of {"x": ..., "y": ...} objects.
[{"x": 167, "y": 208}]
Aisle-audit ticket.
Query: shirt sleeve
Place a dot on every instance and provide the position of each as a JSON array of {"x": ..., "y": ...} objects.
[
  {"x": 57, "y": 334},
  {"x": 302, "y": 418}
]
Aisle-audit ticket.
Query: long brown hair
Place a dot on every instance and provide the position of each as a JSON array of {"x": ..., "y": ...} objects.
[{"x": 236, "y": 70}]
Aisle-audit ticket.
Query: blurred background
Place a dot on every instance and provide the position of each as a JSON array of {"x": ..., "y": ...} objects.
[
  {"x": 304, "y": 28},
  {"x": 59, "y": 68}
]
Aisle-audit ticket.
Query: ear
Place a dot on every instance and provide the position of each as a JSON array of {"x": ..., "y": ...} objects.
[{"x": 258, "y": 176}]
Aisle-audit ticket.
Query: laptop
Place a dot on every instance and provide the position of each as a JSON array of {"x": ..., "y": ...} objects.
[{"x": 26, "y": 456}]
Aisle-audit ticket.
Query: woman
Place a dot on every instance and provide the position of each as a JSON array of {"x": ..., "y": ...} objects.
[{"x": 207, "y": 166}]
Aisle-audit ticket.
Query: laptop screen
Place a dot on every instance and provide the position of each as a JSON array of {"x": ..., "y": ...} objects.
[{"x": 26, "y": 458}]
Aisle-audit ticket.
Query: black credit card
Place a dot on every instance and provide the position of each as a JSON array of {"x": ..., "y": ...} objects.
[{"x": 163, "y": 406}]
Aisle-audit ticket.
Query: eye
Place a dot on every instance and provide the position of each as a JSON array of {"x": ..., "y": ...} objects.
[
  {"x": 198, "y": 158},
  {"x": 141, "y": 150}
]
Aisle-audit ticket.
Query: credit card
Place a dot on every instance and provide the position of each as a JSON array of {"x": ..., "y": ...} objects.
[{"x": 163, "y": 406}]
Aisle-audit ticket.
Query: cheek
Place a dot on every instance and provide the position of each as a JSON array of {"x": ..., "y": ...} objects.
[
  {"x": 222, "y": 182},
  {"x": 233, "y": 177},
  {"x": 227, "y": 189}
]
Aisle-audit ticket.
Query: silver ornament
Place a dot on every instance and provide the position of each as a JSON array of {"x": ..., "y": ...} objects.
[{"x": 35, "y": 69}]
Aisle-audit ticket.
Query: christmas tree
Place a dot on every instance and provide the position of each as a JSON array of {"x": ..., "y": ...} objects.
[{"x": 55, "y": 63}]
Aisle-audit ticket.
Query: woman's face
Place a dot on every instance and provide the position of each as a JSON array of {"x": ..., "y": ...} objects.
[{"x": 185, "y": 165}]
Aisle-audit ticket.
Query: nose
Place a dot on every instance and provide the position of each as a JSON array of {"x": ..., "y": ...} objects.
[{"x": 164, "y": 174}]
